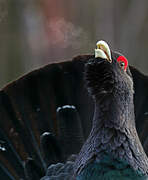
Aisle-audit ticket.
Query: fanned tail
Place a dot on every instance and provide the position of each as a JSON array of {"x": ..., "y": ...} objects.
[{"x": 45, "y": 116}]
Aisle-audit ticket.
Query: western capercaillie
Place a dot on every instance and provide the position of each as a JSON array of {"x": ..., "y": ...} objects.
[
  {"x": 54, "y": 99},
  {"x": 113, "y": 149}
]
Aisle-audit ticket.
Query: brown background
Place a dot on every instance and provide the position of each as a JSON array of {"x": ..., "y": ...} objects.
[{"x": 36, "y": 32}]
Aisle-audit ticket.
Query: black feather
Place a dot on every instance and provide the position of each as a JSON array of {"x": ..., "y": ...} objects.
[{"x": 28, "y": 109}]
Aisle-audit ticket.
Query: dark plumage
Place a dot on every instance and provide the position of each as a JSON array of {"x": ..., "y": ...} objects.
[
  {"x": 33, "y": 170},
  {"x": 28, "y": 108},
  {"x": 50, "y": 147},
  {"x": 113, "y": 140},
  {"x": 113, "y": 149}
]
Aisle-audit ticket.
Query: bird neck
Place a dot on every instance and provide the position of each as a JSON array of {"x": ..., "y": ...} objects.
[
  {"x": 114, "y": 111},
  {"x": 115, "y": 134}
]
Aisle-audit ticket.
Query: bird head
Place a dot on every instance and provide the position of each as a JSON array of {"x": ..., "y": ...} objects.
[{"x": 107, "y": 73}]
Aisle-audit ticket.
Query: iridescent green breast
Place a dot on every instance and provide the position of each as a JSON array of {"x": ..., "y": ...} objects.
[{"x": 110, "y": 169}]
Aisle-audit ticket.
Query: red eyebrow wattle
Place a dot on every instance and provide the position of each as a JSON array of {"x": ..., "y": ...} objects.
[{"x": 123, "y": 59}]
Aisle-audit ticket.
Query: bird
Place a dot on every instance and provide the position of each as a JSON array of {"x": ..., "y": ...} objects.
[
  {"x": 46, "y": 117},
  {"x": 113, "y": 149}
]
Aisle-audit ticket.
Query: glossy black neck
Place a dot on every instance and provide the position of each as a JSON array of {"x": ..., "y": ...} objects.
[
  {"x": 113, "y": 129},
  {"x": 114, "y": 111},
  {"x": 114, "y": 132}
]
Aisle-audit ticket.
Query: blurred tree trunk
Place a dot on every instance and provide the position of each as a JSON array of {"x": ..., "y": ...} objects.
[
  {"x": 132, "y": 24},
  {"x": 11, "y": 64},
  {"x": 105, "y": 21},
  {"x": 36, "y": 32},
  {"x": 131, "y": 41}
]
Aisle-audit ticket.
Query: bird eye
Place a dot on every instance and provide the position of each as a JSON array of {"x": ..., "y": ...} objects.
[{"x": 123, "y": 62}]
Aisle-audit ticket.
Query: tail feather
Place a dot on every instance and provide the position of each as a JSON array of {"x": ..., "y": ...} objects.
[
  {"x": 70, "y": 129},
  {"x": 28, "y": 108},
  {"x": 32, "y": 170},
  {"x": 141, "y": 105},
  {"x": 9, "y": 156},
  {"x": 51, "y": 150},
  {"x": 5, "y": 173},
  {"x": 20, "y": 130}
]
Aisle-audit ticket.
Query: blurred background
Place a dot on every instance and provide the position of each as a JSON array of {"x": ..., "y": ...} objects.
[{"x": 37, "y": 32}]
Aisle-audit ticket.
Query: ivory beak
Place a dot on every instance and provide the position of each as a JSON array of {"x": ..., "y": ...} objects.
[{"x": 103, "y": 51}]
